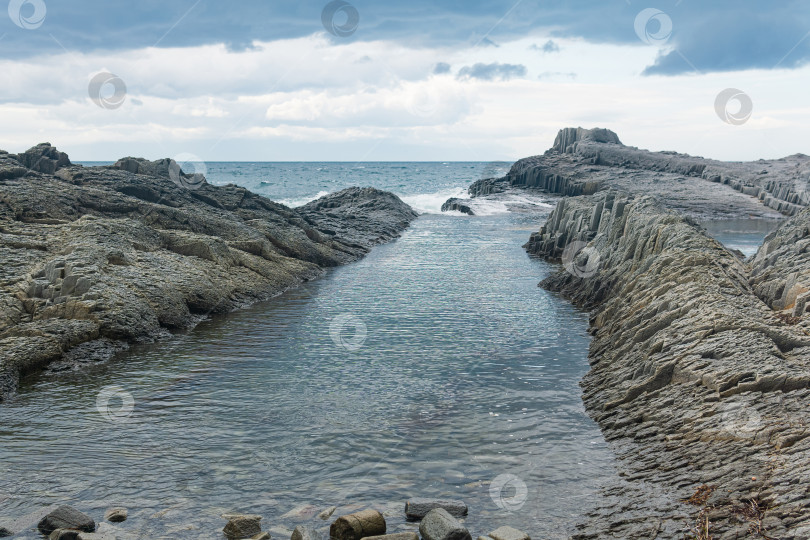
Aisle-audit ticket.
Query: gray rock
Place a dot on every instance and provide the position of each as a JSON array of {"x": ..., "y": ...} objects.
[
  {"x": 395, "y": 536},
  {"x": 64, "y": 534},
  {"x": 44, "y": 158},
  {"x": 116, "y": 515},
  {"x": 582, "y": 162},
  {"x": 697, "y": 382},
  {"x": 261, "y": 536},
  {"x": 242, "y": 526},
  {"x": 76, "y": 244},
  {"x": 303, "y": 532},
  {"x": 96, "y": 536},
  {"x": 417, "y": 508},
  {"x": 358, "y": 525},
  {"x": 327, "y": 513},
  {"x": 440, "y": 525},
  {"x": 66, "y": 517},
  {"x": 5, "y": 532},
  {"x": 508, "y": 533},
  {"x": 459, "y": 205}
]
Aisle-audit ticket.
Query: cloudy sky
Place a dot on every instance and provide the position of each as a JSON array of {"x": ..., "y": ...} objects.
[{"x": 363, "y": 80}]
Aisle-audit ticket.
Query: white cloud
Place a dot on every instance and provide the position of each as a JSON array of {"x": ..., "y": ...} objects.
[{"x": 309, "y": 99}]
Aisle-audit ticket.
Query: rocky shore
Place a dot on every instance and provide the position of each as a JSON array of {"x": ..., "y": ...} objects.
[
  {"x": 428, "y": 519},
  {"x": 96, "y": 258},
  {"x": 700, "y": 360}
]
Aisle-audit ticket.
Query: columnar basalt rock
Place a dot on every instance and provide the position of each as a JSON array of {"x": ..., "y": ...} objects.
[
  {"x": 701, "y": 388},
  {"x": 95, "y": 258},
  {"x": 585, "y": 161}
]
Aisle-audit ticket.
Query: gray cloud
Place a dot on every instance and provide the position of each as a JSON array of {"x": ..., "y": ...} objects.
[
  {"x": 721, "y": 35},
  {"x": 441, "y": 67},
  {"x": 548, "y": 47},
  {"x": 491, "y": 72}
]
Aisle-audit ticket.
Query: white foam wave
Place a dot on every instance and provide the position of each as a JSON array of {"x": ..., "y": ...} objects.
[
  {"x": 301, "y": 201},
  {"x": 504, "y": 203},
  {"x": 431, "y": 203}
]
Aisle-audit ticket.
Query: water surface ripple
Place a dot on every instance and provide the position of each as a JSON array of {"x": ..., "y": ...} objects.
[{"x": 434, "y": 367}]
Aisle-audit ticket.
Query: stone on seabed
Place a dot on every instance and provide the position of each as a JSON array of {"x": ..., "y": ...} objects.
[
  {"x": 66, "y": 517},
  {"x": 242, "y": 526},
  {"x": 438, "y": 524},
  {"x": 417, "y": 508}
]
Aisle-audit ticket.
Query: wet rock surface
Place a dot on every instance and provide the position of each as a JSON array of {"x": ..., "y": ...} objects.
[
  {"x": 66, "y": 517},
  {"x": 417, "y": 508},
  {"x": 358, "y": 525},
  {"x": 458, "y": 205},
  {"x": 242, "y": 526},
  {"x": 702, "y": 389},
  {"x": 438, "y": 524},
  {"x": 95, "y": 258}
]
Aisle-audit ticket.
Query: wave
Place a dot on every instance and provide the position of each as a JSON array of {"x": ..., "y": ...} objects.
[
  {"x": 431, "y": 203},
  {"x": 504, "y": 203},
  {"x": 301, "y": 201}
]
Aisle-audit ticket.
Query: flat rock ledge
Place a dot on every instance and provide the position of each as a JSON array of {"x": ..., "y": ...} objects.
[
  {"x": 700, "y": 367},
  {"x": 95, "y": 258},
  {"x": 586, "y": 161}
]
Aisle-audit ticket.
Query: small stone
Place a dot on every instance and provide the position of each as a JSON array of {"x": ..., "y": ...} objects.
[
  {"x": 438, "y": 524},
  {"x": 66, "y": 517},
  {"x": 261, "y": 536},
  {"x": 5, "y": 532},
  {"x": 508, "y": 533},
  {"x": 305, "y": 533},
  {"x": 358, "y": 525},
  {"x": 395, "y": 536},
  {"x": 301, "y": 512},
  {"x": 418, "y": 508},
  {"x": 242, "y": 526},
  {"x": 64, "y": 534},
  {"x": 326, "y": 514},
  {"x": 116, "y": 515}
]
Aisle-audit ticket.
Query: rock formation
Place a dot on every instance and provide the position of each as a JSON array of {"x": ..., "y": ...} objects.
[
  {"x": 701, "y": 388},
  {"x": 700, "y": 361},
  {"x": 98, "y": 257},
  {"x": 582, "y": 162}
]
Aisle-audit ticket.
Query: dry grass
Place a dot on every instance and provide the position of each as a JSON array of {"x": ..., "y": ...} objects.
[
  {"x": 753, "y": 512},
  {"x": 700, "y": 496}
]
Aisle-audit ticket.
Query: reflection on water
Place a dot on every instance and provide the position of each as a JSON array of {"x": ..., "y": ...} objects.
[
  {"x": 434, "y": 367},
  {"x": 745, "y": 235}
]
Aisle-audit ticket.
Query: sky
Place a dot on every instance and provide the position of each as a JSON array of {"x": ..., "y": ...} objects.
[{"x": 356, "y": 80}]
